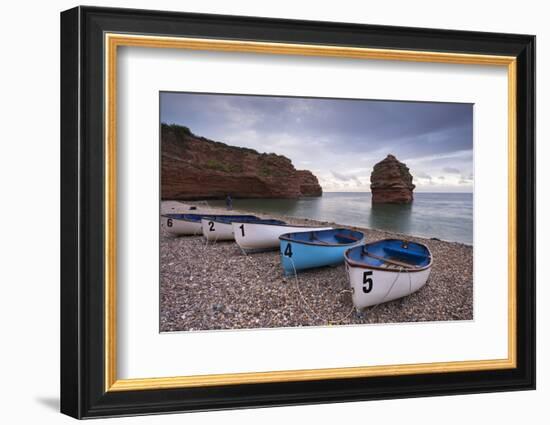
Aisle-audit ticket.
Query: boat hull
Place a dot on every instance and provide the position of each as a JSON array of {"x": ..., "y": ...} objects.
[
  {"x": 214, "y": 230},
  {"x": 254, "y": 236},
  {"x": 386, "y": 270},
  {"x": 297, "y": 256},
  {"x": 373, "y": 286},
  {"x": 311, "y": 249},
  {"x": 181, "y": 227}
]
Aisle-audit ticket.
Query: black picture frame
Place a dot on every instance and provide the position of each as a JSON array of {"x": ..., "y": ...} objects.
[{"x": 83, "y": 392}]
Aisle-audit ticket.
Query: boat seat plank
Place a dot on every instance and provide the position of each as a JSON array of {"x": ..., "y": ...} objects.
[
  {"x": 313, "y": 237},
  {"x": 342, "y": 236},
  {"x": 391, "y": 261},
  {"x": 404, "y": 252}
]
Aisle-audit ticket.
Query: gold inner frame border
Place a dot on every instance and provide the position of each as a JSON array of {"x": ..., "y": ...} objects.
[{"x": 113, "y": 40}]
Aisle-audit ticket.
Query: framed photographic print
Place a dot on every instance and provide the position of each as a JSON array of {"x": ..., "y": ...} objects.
[{"x": 261, "y": 212}]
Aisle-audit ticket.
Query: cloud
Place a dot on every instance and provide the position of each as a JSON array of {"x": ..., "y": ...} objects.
[
  {"x": 422, "y": 175},
  {"x": 441, "y": 177},
  {"x": 465, "y": 180},
  {"x": 452, "y": 155},
  {"x": 341, "y": 138},
  {"x": 344, "y": 177}
]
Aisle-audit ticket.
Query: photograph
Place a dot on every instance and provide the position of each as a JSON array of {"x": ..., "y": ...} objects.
[
  {"x": 289, "y": 210},
  {"x": 285, "y": 212}
]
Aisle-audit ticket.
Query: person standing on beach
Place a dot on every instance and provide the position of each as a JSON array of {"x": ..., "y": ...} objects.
[{"x": 229, "y": 202}]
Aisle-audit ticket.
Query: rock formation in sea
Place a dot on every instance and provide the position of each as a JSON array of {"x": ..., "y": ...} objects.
[
  {"x": 194, "y": 167},
  {"x": 391, "y": 182}
]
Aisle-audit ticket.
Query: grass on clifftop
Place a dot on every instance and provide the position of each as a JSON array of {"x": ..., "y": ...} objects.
[
  {"x": 179, "y": 130},
  {"x": 269, "y": 162}
]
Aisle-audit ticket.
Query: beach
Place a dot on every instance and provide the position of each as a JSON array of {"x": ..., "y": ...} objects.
[{"x": 215, "y": 286}]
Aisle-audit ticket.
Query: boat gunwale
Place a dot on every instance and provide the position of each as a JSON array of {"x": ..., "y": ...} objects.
[
  {"x": 287, "y": 225},
  {"x": 189, "y": 220},
  {"x": 328, "y": 245},
  {"x": 236, "y": 221},
  {"x": 180, "y": 219},
  {"x": 354, "y": 263}
]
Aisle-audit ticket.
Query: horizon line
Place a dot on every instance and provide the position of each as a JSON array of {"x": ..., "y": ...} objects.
[{"x": 361, "y": 191}]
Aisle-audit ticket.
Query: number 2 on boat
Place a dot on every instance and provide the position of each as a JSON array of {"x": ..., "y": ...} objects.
[
  {"x": 367, "y": 281},
  {"x": 211, "y": 224}
]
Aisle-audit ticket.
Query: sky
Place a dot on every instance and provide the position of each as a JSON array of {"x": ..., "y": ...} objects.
[{"x": 339, "y": 140}]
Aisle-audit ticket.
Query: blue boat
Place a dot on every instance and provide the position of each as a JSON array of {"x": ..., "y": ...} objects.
[{"x": 306, "y": 250}]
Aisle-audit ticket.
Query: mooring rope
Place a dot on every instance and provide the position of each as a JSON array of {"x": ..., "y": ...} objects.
[
  {"x": 256, "y": 266},
  {"x": 305, "y": 303},
  {"x": 324, "y": 319}
]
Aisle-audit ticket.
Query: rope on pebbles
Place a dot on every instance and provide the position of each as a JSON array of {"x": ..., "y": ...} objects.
[
  {"x": 265, "y": 325},
  {"x": 324, "y": 319},
  {"x": 305, "y": 303}
]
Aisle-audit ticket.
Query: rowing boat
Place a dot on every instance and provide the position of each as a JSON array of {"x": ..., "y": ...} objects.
[
  {"x": 264, "y": 235},
  {"x": 182, "y": 224},
  {"x": 386, "y": 270},
  {"x": 310, "y": 249},
  {"x": 219, "y": 228},
  {"x": 186, "y": 224}
]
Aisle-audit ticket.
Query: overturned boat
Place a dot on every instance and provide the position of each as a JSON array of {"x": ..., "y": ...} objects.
[
  {"x": 314, "y": 248},
  {"x": 264, "y": 234},
  {"x": 219, "y": 228},
  {"x": 386, "y": 270}
]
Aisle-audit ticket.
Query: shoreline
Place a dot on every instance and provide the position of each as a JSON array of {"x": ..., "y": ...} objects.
[
  {"x": 215, "y": 286},
  {"x": 292, "y": 219}
]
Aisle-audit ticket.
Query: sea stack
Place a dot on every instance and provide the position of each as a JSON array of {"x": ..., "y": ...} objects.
[{"x": 391, "y": 182}]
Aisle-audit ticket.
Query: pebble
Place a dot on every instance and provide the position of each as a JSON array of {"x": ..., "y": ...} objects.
[{"x": 215, "y": 286}]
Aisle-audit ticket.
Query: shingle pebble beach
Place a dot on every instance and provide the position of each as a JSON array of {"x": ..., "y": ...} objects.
[{"x": 213, "y": 286}]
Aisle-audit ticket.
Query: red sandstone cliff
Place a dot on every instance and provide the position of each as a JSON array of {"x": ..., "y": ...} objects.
[
  {"x": 197, "y": 168},
  {"x": 391, "y": 182}
]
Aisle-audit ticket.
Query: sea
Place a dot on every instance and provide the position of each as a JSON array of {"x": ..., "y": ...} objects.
[{"x": 445, "y": 216}]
